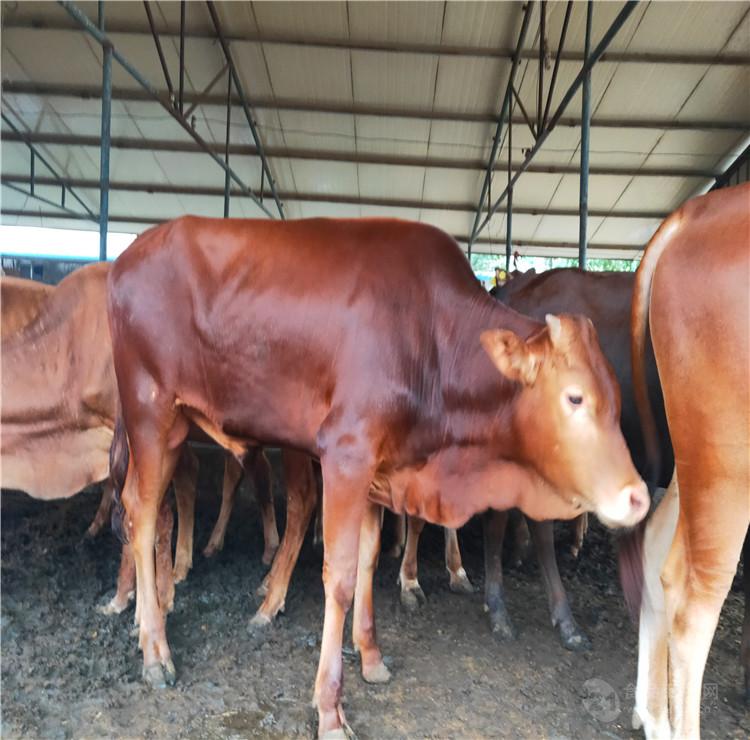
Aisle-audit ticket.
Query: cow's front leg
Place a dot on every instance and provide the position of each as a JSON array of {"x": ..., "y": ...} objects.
[
  {"x": 571, "y": 635},
  {"x": 346, "y": 482},
  {"x": 363, "y": 623},
  {"x": 494, "y": 593}
]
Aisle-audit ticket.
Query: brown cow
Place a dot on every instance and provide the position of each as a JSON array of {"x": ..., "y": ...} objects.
[
  {"x": 692, "y": 293},
  {"x": 21, "y": 300},
  {"x": 428, "y": 397},
  {"x": 59, "y": 400},
  {"x": 605, "y": 298}
]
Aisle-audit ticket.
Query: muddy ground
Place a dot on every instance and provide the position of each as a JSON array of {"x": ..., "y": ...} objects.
[{"x": 68, "y": 672}]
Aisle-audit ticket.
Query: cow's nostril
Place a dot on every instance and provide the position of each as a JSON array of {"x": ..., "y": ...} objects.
[{"x": 638, "y": 498}]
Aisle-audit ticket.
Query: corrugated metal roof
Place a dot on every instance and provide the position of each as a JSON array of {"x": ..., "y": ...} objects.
[{"x": 321, "y": 76}]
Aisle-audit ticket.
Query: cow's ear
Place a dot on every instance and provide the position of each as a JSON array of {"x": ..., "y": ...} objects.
[{"x": 511, "y": 355}]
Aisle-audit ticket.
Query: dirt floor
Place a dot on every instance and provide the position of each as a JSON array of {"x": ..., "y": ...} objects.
[{"x": 68, "y": 672}]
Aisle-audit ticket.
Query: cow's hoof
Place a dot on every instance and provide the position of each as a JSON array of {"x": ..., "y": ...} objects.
[
  {"x": 262, "y": 591},
  {"x": 502, "y": 628},
  {"x": 114, "y": 606},
  {"x": 635, "y": 720},
  {"x": 573, "y": 637},
  {"x": 268, "y": 555},
  {"x": 460, "y": 583},
  {"x": 259, "y": 623},
  {"x": 212, "y": 548},
  {"x": 377, "y": 673},
  {"x": 338, "y": 734},
  {"x": 180, "y": 572},
  {"x": 159, "y": 676},
  {"x": 412, "y": 598}
]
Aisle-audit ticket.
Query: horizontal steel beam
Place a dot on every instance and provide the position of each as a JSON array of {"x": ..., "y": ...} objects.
[
  {"x": 153, "y": 94},
  {"x": 211, "y": 192},
  {"x": 400, "y": 47},
  {"x": 461, "y": 239},
  {"x": 135, "y": 95},
  {"x": 186, "y": 147}
]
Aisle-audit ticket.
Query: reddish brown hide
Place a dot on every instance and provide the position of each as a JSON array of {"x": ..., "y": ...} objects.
[
  {"x": 692, "y": 291},
  {"x": 431, "y": 396},
  {"x": 59, "y": 399}
]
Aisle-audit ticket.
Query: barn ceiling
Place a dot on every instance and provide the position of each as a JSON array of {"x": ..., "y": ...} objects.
[{"x": 379, "y": 109}]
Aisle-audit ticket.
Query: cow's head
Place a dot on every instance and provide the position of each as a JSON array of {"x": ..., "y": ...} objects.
[{"x": 568, "y": 415}]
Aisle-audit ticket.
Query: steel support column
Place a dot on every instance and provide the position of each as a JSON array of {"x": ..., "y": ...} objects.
[
  {"x": 504, "y": 114},
  {"x": 246, "y": 109},
  {"x": 596, "y": 54},
  {"x": 226, "y": 146},
  {"x": 181, "y": 89},
  {"x": 106, "y": 136},
  {"x": 509, "y": 209},
  {"x": 583, "y": 200},
  {"x": 90, "y": 28}
]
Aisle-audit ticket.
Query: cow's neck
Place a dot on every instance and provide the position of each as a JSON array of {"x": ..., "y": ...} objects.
[
  {"x": 457, "y": 483},
  {"x": 478, "y": 402}
]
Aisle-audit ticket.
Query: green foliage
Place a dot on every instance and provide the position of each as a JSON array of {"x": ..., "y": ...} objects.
[{"x": 484, "y": 264}]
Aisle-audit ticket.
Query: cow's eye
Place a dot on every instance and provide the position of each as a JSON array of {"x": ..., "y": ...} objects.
[{"x": 574, "y": 399}]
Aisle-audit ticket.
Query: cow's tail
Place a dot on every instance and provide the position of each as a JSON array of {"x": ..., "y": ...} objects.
[
  {"x": 119, "y": 458},
  {"x": 630, "y": 551}
]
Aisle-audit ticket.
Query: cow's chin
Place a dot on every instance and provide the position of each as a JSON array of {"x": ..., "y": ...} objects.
[{"x": 625, "y": 509}]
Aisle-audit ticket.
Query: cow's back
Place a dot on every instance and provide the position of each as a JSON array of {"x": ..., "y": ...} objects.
[
  {"x": 20, "y": 302},
  {"x": 605, "y": 297},
  {"x": 309, "y": 309}
]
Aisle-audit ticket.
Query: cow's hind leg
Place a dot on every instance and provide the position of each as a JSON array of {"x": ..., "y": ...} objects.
[
  {"x": 125, "y": 592},
  {"x": 494, "y": 524},
  {"x": 363, "y": 622},
  {"x": 651, "y": 709},
  {"x": 185, "y": 483},
  {"x": 412, "y": 596},
  {"x": 745, "y": 650},
  {"x": 459, "y": 581},
  {"x": 151, "y": 465},
  {"x": 102, "y": 513},
  {"x": 163, "y": 556},
  {"x": 232, "y": 478},
  {"x": 301, "y": 497},
  {"x": 702, "y": 562},
  {"x": 571, "y": 635},
  {"x": 261, "y": 468},
  {"x": 399, "y": 534}
]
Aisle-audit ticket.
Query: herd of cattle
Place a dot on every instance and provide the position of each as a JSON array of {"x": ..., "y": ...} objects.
[{"x": 432, "y": 399}]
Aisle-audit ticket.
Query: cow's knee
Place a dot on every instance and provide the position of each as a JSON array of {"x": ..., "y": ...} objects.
[{"x": 340, "y": 586}]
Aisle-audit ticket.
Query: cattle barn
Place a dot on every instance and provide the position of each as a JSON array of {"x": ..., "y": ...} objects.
[{"x": 283, "y": 282}]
